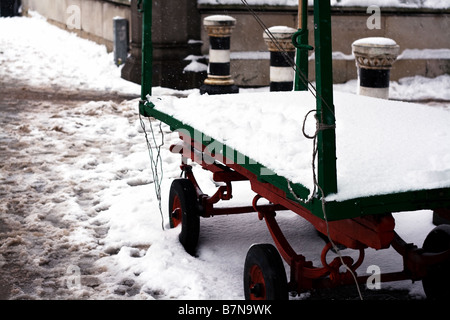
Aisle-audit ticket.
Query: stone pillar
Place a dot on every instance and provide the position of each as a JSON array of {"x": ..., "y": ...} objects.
[
  {"x": 175, "y": 25},
  {"x": 131, "y": 71},
  {"x": 219, "y": 28},
  {"x": 282, "y": 56},
  {"x": 374, "y": 58}
]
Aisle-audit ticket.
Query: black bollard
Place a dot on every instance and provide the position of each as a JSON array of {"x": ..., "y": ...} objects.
[
  {"x": 374, "y": 58},
  {"x": 282, "y": 57},
  {"x": 219, "y": 81}
]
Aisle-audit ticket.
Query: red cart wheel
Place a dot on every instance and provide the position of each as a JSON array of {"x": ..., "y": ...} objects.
[
  {"x": 175, "y": 212},
  {"x": 264, "y": 274},
  {"x": 183, "y": 209},
  {"x": 436, "y": 283}
]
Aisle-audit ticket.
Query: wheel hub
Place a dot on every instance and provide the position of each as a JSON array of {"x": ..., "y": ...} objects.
[{"x": 257, "y": 284}]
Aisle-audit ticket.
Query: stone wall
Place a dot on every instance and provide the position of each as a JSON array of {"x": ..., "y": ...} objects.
[
  {"x": 177, "y": 22},
  {"x": 95, "y": 16}
]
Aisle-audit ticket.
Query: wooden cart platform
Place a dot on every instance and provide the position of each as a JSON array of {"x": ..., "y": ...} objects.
[{"x": 343, "y": 162}]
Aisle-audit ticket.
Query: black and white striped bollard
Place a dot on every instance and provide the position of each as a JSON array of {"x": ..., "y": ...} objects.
[
  {"x": 374, "y": 58},
  {"x": 282, "y": 55},
  {"x": 219, "y": 81}
]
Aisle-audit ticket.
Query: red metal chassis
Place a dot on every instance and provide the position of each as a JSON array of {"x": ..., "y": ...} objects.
[{"x": 374, "y": 231}]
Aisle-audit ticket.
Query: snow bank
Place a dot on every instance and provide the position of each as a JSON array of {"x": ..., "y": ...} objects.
[
  {"x": 417, "y": 88},
  {"x": 416, "y": 54},
  {"x": 421, "y": 88},
  {"x": 57, "y": 58}
]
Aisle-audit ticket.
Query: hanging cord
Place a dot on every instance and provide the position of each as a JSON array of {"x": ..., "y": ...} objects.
[
  {"x": 155, "y": 160},
  {"x": 319, "y": 127}
]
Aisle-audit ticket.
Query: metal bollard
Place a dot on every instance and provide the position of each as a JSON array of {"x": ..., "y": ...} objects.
[
  {"x": 282, "y": 56},
  {"x": 374, "y": 58},
  {"x": 219, "y": 81},
  {"x": 121, "y": 40},
  {"x": 10, "y": 8}
]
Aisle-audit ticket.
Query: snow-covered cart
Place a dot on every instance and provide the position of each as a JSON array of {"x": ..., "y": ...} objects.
[{"x": 345, "y": 170}]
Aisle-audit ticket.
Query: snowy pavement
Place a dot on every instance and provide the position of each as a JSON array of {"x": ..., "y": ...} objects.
[
  {"x": 50, "y": 190},
  {"x": 78, "y": 213}
]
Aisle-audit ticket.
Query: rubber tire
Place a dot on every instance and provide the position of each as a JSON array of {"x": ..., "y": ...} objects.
[
  {"x": 436, "y": 283},
  {"x": 190, "y": 220},
  {"x": 268, "y": 260}
]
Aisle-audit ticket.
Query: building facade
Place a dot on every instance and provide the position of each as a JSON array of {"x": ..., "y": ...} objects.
[{"x": 179, "y": 37}]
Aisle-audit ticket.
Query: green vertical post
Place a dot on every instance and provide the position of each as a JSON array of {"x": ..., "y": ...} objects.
[
  {"x": 326, "y": 139},
  {"x": 300, "y": 40},
  {"x": 147, "y": 49}
]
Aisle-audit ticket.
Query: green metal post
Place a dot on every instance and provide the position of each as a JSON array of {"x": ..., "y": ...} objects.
[
  {"x": 147, "y": 49},
  {"x": 300, "y": 40},
  {"x": 325, "y": 109}
]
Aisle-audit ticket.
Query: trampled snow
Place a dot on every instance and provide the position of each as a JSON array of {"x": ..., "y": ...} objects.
[
  {"x": 81, "y": 175},
  {"x": 56, "y": 58}
]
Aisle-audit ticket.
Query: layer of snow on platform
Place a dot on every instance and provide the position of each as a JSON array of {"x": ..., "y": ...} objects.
[
  {"x": 382, "y": 146},
  {"x": 437, "y": 4}
]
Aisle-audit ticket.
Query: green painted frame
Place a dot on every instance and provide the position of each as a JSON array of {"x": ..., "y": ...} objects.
[{"x": 327, "y": 177}]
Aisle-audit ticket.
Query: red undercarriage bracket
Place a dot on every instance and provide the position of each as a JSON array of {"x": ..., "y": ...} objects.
[{"x": 304, "y": 275}]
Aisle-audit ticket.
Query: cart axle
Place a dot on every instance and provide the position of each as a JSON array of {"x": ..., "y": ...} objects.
[{"x": 304, "y": 276}]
